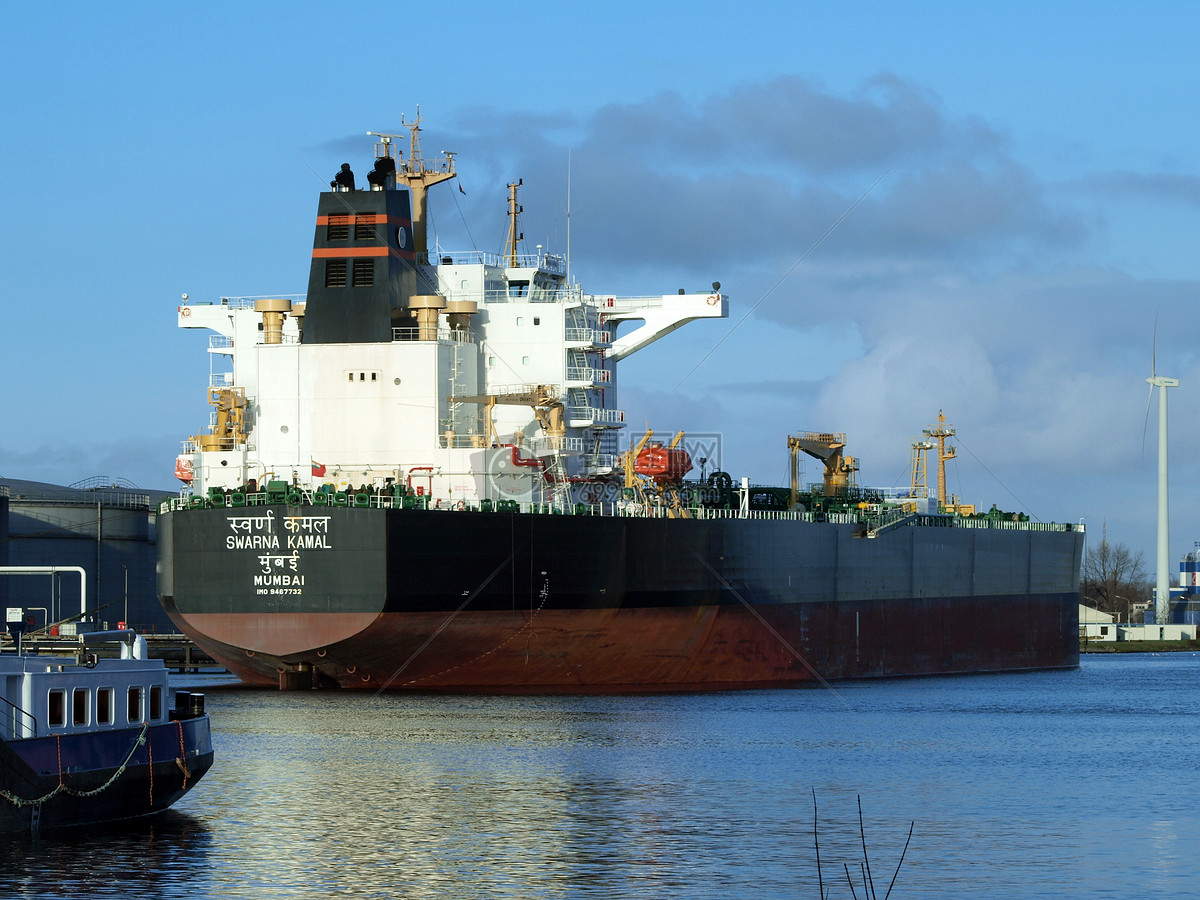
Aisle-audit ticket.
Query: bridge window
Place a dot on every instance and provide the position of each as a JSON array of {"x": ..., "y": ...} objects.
[{"x": 155, "y": 702}]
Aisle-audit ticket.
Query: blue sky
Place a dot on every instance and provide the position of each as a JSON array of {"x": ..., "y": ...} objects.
[{"x": 1029, "y": 184}]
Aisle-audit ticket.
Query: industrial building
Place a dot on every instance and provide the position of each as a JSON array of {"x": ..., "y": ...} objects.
[{"x": 104, "y": 527}]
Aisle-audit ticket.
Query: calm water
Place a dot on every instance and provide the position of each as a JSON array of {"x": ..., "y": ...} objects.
[{"x": 1071, "y": 784}]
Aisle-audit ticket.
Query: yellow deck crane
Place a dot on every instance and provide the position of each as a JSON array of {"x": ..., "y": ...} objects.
[
  {"x": 827, "y": 447},
  {"x": 229, "y": 427},
  {"x": 551, "y": 416},
  {"x": 544, "y": 400}
]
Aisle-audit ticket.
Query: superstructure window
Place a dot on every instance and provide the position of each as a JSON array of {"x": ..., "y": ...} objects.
[
  {"x": 364, "y": 272},
  {"x": 335, "y": 273},
  {"x": 133, "y": 712},
  {"x": 338, "y": 228},
  {"x": 155, "y": 702},
  {"x": 364, "y": 228},
  {"x": 104, "y": 706},
  {"x": 79, "y": 706},
  {"x": 57, "y": 709}
]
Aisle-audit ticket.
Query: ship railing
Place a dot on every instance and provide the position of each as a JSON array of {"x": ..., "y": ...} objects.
[
  {"x": 462, "y": 441},
  {"x": 550, "y": 262},
  {"x": 593, "y": 415},
  {"x": 16, "y": 722},
  {"x": 247, "y": 302},
  {"x": 612, "y": 304},
  {"x": 587, "y": 375},
  {"x": 1009, "y": 525},
  {"x": 513, "y": 295},
  {"x": 412, "y": 333},
  {"x": 534, "y": 391},
  {"x": 703, "y": 512},
  {"x": 597, "y": 336},
  {"x": 295, "y": 496},
  {"x": 459, "y": 258},
  {"x": 600, "y": 460},
  {"x": 545, "y": 445}
]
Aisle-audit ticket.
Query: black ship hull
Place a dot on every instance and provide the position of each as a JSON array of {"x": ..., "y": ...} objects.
[{"x": 530, "y": 602}]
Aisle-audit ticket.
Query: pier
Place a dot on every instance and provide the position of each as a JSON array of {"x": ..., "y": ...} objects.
[{"x": 177, "y": 651}]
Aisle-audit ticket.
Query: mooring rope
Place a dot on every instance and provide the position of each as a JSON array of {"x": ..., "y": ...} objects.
[{"x": 62, "y": 786}]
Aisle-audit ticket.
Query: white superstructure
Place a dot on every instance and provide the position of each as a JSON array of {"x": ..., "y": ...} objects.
[{"x": 505, "y": 388}]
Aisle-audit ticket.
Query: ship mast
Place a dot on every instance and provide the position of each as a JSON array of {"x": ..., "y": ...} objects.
[
  {"x": 514, "y": 236},
  {"x": 939, "y": 433},
  {"x": 418, "y": 176},
  {"x": 919, "y": 482}
]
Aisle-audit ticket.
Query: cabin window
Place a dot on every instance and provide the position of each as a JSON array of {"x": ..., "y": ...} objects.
[
  {"x": 338, "y": 228},
  {"x": 524, "y": 360},
  {"x": 104, "y": 706},
  {"x": 79, "y": 706},
  {"x": 364, "y": 228},
  {"x": 133, "y": 712},
  {"x": 335, "y": 273},
  {"x": 155, "y": 702},
  {"x": 364, "y": 273},
  {"x": 537, "y": 320},
  {"x": 57, "y": 709}
]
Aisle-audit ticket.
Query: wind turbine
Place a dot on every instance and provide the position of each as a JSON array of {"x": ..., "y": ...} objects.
[{"x": 1162, "y": 591}]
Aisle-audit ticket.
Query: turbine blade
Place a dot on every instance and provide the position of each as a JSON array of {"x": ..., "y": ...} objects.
[{"x": 1146, "y": 423}]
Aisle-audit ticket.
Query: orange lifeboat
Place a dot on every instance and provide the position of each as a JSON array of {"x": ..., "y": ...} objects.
[
  {"x": 666, "y": 465},
  {"x": 183, "y": 468}
]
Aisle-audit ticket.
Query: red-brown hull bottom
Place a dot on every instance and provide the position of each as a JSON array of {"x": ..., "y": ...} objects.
[{"x": 642, "y": 649}]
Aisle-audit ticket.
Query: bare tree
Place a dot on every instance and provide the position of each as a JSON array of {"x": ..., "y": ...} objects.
[{"x": 1113, "y": 576}]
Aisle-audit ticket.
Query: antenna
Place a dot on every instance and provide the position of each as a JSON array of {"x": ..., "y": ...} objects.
[{"x": 568, "y": 218}]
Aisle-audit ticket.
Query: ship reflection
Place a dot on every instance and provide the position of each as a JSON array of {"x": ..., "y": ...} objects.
[{"x": 148, "y": 857}]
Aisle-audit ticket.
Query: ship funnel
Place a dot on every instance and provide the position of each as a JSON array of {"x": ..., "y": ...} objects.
[{"x": 273, "y": 313}]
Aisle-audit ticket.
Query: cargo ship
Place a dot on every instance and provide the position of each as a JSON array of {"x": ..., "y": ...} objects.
[{"x": 419, "y": 477}]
